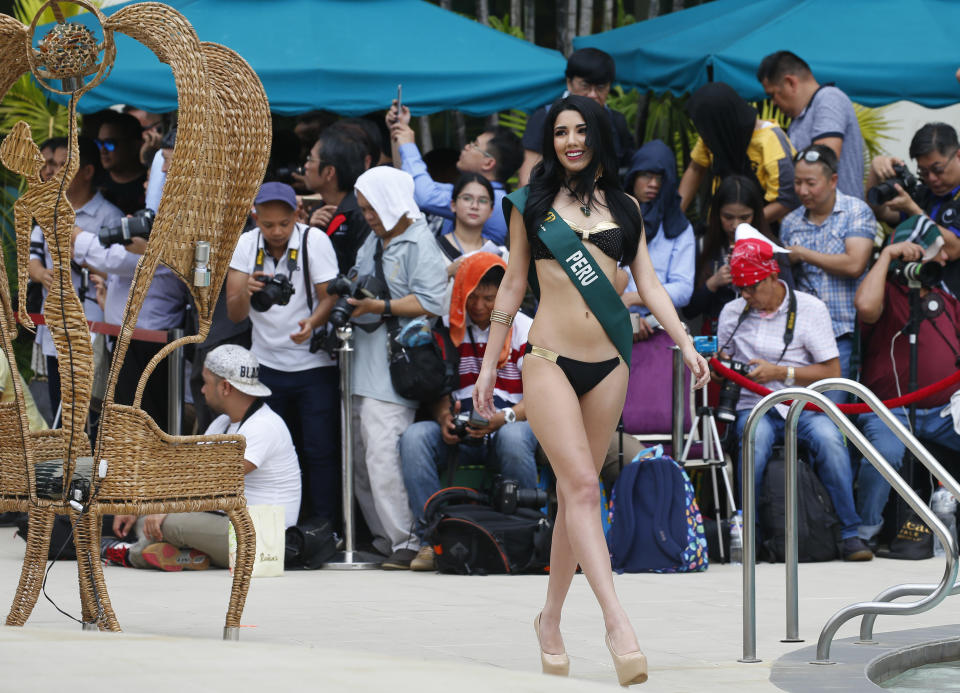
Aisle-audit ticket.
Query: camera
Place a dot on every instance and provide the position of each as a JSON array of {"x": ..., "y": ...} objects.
[
  {"x": 883, "y": 192},
  {"x": 705, "y": 345},
  {"x": 916, "y": 274},
  {"x": 345, "y": 286},
  {"x": 137, "y": 226},
  {"x": 506, "y": 496},
  {"x": 276, "y": 291},
  {"x": 730, "y": 392},
  {"x": 472, "y": 420}
]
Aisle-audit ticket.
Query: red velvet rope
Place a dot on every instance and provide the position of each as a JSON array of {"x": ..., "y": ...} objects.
[
  {"x": 902, "y": 401},
  {"x": 140, "y": 334}
]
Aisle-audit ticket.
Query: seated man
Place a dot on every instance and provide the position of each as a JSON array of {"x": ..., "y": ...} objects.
[
  {"x": 883, "y": 306},
  {"x": 506, "y": 443},
  {"x": 192, "y": 541},
  {"x": 753, "y": 329}
]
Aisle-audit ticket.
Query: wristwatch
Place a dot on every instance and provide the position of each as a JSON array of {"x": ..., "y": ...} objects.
[
  {"x": 386, "y": 308},
  {"x": 791, "y": 376},
  {"x": 509, "y": 415}
]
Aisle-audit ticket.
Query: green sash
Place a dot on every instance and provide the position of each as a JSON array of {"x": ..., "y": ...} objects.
[{"x": 583, "y": 271}]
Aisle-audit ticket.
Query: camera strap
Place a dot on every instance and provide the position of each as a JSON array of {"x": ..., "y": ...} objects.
[
  {"x": 393, "y": 323},
  {"x": 788, "y": 330},
  {"x": 292, "y": 254}
]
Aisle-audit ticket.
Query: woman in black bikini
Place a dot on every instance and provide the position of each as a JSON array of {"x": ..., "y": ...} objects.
[{"x": 575, "y": 388}]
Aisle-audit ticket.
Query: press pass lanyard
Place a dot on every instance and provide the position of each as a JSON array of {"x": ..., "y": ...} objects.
[
  {"x": 292, "y": 254},
  {"x": 787, "y": 332}
]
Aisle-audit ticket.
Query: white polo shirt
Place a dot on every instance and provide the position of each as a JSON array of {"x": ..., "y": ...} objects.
[
  {"x": 276, "y": 479},
  {"x": 271, "y": 342}
]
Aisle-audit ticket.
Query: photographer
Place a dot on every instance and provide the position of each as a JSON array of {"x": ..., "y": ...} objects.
[
  {"x": 894, "y": 193},
  {"x": 93, "y": 212},
  {"x": 281, "y": 270},
  {"x": 505, "y": 443},
  {"x": 883, "y": 306},
  {"x": 415, "y": 272},
  {"x": 783, "y": 337}
]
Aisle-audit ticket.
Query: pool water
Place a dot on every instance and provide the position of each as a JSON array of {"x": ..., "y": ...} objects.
[{"x": 943, "y": 677}]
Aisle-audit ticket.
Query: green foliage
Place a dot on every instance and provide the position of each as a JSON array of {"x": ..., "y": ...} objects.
[
  {"x": 874, "y": 127},
  {"x": 667, "y": 121},
  {"x": 503, "y": 24},
  {"x": 513, "y": 119},
  {"x": 622, "y": 16},
  {"x": 626, "y": 102}
]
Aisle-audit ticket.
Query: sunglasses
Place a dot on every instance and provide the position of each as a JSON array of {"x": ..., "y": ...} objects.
[
  {"x": 107, "y": 145},
  {"x": 812, "y": 156}
]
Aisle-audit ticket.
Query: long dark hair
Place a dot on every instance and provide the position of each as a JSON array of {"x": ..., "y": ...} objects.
[
  {"x": 549, "y": 175},
  {"x": 465, "y": 180},
  {"x": 734, "y": 189}
]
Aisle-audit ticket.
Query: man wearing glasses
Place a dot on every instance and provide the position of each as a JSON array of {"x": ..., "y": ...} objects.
[
  {"x": 785, "y": 338},
  {"x": 495, "y": 154},
  {"x": 119, "y": 139},
  {"x": 936, "y": 150},
  {"x": 830, "y": 238},
  {"x": 590, "y": 72}
]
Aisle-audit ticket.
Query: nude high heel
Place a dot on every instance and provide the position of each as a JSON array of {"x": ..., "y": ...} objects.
[
  {"x": 631, "y": 667},
  {"x": 555, "y": 664}
]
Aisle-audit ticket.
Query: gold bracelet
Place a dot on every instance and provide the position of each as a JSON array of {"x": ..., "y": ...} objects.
[{"x": 502, "y": 317}]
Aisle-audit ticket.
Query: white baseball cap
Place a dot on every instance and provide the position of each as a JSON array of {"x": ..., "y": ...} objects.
[{"x": 238, "y": 367}]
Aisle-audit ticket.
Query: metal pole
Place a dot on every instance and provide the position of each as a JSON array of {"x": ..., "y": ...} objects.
[
  {"x": 175, "y": 384},
  {"x": 349, "y": 558},
  {"x": 792, "y": 540},
  {"x": 749, "y": 530},
  {"x": 676, "y": 434}
]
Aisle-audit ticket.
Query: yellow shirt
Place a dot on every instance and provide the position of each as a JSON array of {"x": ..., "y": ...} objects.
[
  {"x": 37, "y": 422},
  {"x": 772, "y": 155}
]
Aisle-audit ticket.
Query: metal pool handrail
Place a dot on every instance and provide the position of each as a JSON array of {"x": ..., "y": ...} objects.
[{"x": 749, "y": 525}]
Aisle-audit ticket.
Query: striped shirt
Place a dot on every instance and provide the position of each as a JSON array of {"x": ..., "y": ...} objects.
[
  {"x": 851, "y": 218},
  {"x": 508, "y": 388}
]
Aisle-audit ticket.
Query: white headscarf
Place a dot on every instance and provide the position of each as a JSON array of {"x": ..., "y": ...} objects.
[
  {"x": 390, "y": 192},
  {"x": 745, "y": 231}
]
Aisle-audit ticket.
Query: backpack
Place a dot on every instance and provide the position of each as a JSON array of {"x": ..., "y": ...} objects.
[
  {"x": 471, "y": 538},
  {"x": 656, "y": 525},
  {"x": 427, "y": 372},
  {"x": 818, "y": 526}
]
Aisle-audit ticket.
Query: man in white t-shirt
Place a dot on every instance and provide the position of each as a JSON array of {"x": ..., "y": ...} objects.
[
  {"x": 305, "y": 384},
  {"x": 192, "y": 541}
]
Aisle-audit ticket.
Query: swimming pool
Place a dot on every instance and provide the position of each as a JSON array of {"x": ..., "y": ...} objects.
[{"x": 941, "y": 677}]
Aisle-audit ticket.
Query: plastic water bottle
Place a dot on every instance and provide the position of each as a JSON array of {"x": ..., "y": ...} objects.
[
  {"x": 944, "y": 506},
  {"x": 736, "y": 539}
]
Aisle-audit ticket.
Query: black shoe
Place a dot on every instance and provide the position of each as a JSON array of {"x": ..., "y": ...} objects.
[
  {"x": 399, "y": 560},
  {"x": 854, "y": 549}
]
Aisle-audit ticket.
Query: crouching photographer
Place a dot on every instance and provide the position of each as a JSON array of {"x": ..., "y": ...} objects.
[
  {"x": 785, "y": 338},
  {"x": 895, "y": 194},
  {"x": 458, "y": 435},
  {"x": 902, "y": 288},
  {"x": 278, "y": 278}
]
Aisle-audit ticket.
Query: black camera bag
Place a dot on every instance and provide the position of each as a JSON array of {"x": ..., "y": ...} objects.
[
  {"x": 818, "y": 526},
  {"x": 309, "y": 544},
  {"x": 422, "y": 373},
  {"x": 471, "y": 538}
]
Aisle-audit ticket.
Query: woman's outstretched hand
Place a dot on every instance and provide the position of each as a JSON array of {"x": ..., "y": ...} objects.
[
  {"x": 697, "y": 365},
  {"x": 483, "y": 392}
]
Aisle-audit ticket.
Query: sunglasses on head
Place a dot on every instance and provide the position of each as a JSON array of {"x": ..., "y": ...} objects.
[
  {"x": 107, "y": 145},
  {"x": 812, "y": 156}
]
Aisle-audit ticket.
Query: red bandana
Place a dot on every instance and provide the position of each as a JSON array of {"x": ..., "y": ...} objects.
[{"x": 751, "y": 262}]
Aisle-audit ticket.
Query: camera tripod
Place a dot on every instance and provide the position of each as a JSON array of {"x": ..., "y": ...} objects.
[{"x": 704, "y": 428}]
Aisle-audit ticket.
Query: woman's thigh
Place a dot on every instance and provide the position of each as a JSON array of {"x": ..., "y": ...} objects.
[{"x": 601, "y": 409}]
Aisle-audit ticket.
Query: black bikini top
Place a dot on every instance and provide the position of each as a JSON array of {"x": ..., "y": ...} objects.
[{"x": 606, "y": 235}]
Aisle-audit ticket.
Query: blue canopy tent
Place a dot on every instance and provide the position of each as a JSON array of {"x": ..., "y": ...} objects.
[
  {"x": 877, "y": 51},
  {"x": 346, "y": 56}
]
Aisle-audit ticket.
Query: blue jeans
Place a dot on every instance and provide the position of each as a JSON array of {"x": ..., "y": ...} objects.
[
  {"x": 309, "y": 402},
  {"x": 423, "y": 454},
  {"x": 845, "y": 347},
  {"x": 872, "y": 489},
  {"x": 827, "y": 448}
]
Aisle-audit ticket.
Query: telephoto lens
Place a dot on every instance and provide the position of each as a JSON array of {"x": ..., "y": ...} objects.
[{"x": 730, "y": 392}]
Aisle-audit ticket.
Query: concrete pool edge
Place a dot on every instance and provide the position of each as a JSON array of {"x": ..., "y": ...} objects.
[
  {"x": 892, "y": 664},
  {"x": 857, "y": 665}
]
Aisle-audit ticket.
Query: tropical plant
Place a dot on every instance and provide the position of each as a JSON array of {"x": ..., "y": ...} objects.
[
  {"x": 515, "y": 120},
  {"x": 623, "y": 17},
  {"x": 503, "y": 24}
]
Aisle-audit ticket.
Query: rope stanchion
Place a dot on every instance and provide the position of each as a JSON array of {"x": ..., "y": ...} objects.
[
  {"x": 902, "y": 401},
  {"x": 140, "y": 334}
]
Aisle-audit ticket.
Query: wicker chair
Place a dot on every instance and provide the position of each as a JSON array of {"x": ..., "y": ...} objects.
[{"x": 218, "y": 162}]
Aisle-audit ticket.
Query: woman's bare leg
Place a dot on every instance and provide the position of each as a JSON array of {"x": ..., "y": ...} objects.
[{"x": 575, "y": 445}]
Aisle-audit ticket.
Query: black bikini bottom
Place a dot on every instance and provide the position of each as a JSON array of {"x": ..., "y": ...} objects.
[{"x": 583, "y": 375}]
